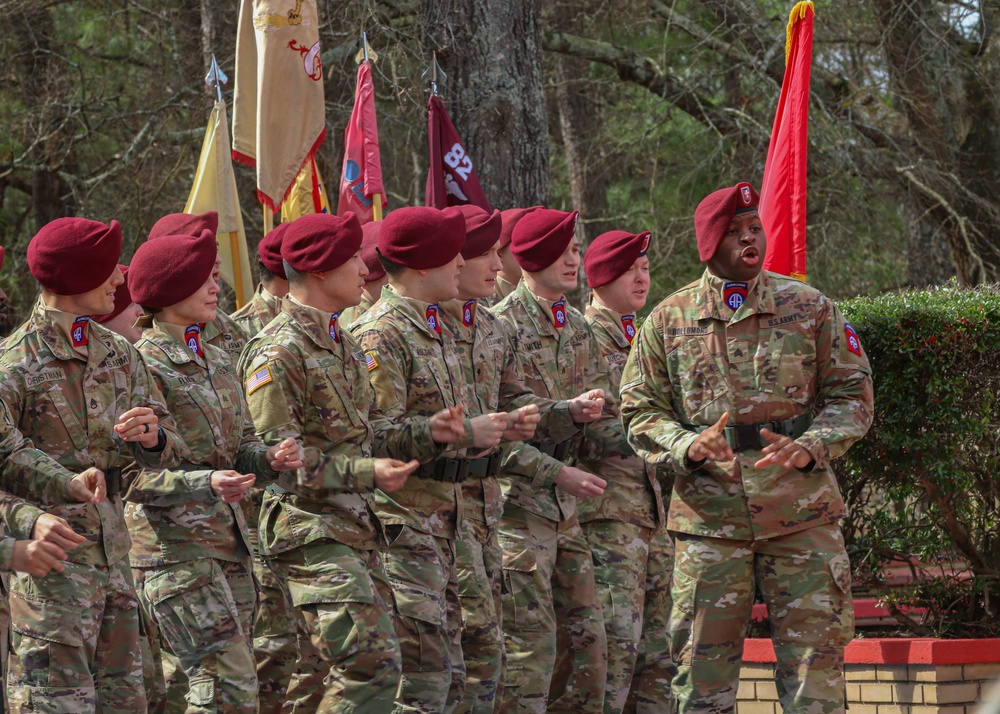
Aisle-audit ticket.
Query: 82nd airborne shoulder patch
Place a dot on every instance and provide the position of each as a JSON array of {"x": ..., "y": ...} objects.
[{"x": 853, "y": 341}]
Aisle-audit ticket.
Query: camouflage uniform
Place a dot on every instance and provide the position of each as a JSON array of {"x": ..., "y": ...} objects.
[
  {"x": 76, "y": 634},
  {"x": 785, "y": 352},
  {"x": 274, "y": 631},
  {"x": 490, "y": 368},
  {"x": 226, "y": 334},
  {"x": 552, "y": 621},
  {"x": 190, "y": 550},
  {"x": 501, "y": 289},
  {"x": 633, "y": 553},
  {"x": 352, "y": 314},
  {"x": 415, "y": 375},
  {"x": 317, "y": 527}
]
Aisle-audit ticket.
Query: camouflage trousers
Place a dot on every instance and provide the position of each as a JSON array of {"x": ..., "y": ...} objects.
[
  {"x": 479, "y": 564},
  {"x": 632, "y": 567},
  {"x": 199, "y": 622},
  {"x": 75, "y": 642},
  {"x": 348, "y": 659},
  {"x": 421, "y": 568},
  {"x": 552, "y": 622},
  {"x": 805, "y": 580},
  {"x": 275, "y": 643}
]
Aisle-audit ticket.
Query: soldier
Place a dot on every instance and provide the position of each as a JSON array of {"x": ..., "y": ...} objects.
[
  {"x": 626, "y": 527},
  {"x": 510, "y": 272},
  {"x": 754, "y": 504},
  {"x": 487, "y": 358},
  {"x": 223, "y": 331},
  {"x": 306, "y": 378},
  {"x": 374, "y": 281},
  {"x": 190, "y": 550},
  {"x": 553, "y": 626},
  {"x": 81, "y": 393},
  {"x": 123, "y": 318},
  {"x": 415, "y": 374},
  {"x": 265, "y": 304}
]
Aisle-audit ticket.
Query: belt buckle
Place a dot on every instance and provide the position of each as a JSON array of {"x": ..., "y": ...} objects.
[{"x": 747, "y": 437}]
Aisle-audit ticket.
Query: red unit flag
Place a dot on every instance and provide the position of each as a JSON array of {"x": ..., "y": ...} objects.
[
  {"x": 451, "y": 176},
  {"x": 361, "y": 178}
]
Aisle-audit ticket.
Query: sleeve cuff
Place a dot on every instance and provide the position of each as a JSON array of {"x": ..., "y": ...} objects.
[
  {"x": 7, "y": 555},
  {"x": 679, "y": 455},
  {"x": 817, "y": 449}
]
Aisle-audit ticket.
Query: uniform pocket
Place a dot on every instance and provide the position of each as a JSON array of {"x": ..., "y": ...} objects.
[
  {"x": 44, "y": 619},
  {"x": 622, "y": 620}
]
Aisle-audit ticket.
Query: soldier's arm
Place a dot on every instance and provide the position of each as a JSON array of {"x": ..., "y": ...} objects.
[
  {"x": 525, "y": 462},
  {"x": 275, "y": 383},
  {"x": 144, "y": 392},
  {"x": 18, "y": 515},
  {"x": 844, "y": 392},
  {"x": 651, "y": 423},
  {"x": 604, "y": 437}
]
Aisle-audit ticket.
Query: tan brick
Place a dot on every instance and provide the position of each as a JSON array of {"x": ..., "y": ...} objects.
[
  {"x": 893, "y": 709},
  {"x": 757, "y": 671},
  {"x": 892, "y": 673},
  {"x": 927, "y": 709},
  {"x": 853, "y": 693},
  {"x": 952, "y": 693},
  {"x": 876, "y": 693},
  {"x": 935, "y": 673},
  {"x": 864, "y": 709},
  {"x": 988, "y": 671},
  {"x": 860, "y": 673},
  {"x": 755, "y": 708},
  {"x": 908, "y": 693},
  {"x": 746, "y": 691}
]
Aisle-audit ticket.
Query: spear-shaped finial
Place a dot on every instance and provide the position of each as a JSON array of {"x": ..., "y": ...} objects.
[{"x": 216, "y": 77}]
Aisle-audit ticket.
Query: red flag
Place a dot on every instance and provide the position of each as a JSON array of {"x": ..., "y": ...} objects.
[
  {"x": 451, "y": 176},
  {"x": 361, "y": 177},
  {"x": 783, "y": 190}
]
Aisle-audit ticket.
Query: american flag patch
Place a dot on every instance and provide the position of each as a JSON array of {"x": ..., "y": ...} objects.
[
  {"x": 370, "y": 361},
  {"x": 258, "y": 379}
]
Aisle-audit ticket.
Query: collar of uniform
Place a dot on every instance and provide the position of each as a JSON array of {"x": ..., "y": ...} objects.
[
  {"x": 760, "y": 298},
  {"x": 272, "y": 302},
  {"x": 539, "y": 311},
  {"x": 609, "y": 320},
  {"x": 315, "y": 322},
  {"x": 171, "y": 339},
  {"x": 414, "y": 310},
  {"x": 503, "y": 287},
  {"x": 59, "y": 340},
  {"x": 452, "y": 312}
]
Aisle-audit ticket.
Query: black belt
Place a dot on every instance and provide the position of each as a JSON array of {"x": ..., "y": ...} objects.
[
  {"x": 558, "y": 451},
  {"x": 113, "y": 481},
  {"x": 746, "y": 437},
  {"x": 458, "y": 470}
]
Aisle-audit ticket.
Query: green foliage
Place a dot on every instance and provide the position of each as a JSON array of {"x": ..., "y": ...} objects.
[{"x": 925, "y": 481}]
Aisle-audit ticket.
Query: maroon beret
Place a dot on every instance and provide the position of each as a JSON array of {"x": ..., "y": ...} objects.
[
  {"x": 123, "y": 298},
  {"x": 420, "y": 237},
  {"x": 165, "y": 271},
  {"x": 610, "y": 254},
  {"x": 509, "y": 218},
  {"x": 541, "y": 236},
  {"x": 318, "y": 242},
  {"x": 715, "y": 213},
  {"x": 482, "y": 230},
  {"x": 185, "y": 224},
  {"x": 369, "y": 254},
  {"x": 269, "y": 250},
  {"x": 70, "y": 256}
]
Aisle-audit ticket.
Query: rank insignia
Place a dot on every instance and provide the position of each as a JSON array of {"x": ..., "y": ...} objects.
[
  {"x": 468, "y": 313},
  {"x": 432, "y": 318},
  {"x": 559, "y": 313},
  {"x": 79, "y": 332},
  {"x": 333, "y": 327},
  {"x": 628, "y": 326},
  {"x": 192, "y": 338},
  {"x": 853, "y": 342},
  {"x": 258, "y": 379},
  {"x": 734, "y": 294}
]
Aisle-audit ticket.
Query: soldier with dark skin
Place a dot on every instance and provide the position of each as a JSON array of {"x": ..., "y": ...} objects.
[{"x": 747, "y": 383}]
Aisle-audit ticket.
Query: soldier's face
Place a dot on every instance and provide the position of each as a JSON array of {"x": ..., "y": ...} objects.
[
  {"x": 345, "y": 285},
  {"x": 441, "y": 284},
  {"x": 740, "y": 255},
  {"x": 200, "y": 306},
  {"x": 627, "y": 293},
  {"x": 562, "y": 274},
  {"x": 100, "y": 300},
  {"x": 510, "y": 270},
  {"x": 479, "y": 276},
  {"x": 124, "y": 322}
]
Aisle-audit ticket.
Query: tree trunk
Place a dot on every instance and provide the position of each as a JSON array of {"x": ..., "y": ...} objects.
[{"x": 491, "y": 52}]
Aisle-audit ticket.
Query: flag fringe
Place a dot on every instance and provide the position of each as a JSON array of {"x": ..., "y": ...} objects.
[
  {"x": 244, "y": 159},
  {"x": 798, "y": 13},
  {"x": 267, "y": 200}
]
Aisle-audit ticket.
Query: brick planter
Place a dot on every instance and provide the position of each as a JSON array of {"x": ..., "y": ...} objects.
[{"x": 889, "y": 676}]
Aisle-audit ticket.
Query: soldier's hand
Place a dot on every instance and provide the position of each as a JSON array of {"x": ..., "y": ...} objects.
[
  {"x": 711, "y": 444},
  {"x": 521, "y": 423},
  {"x": 580, "y": 483},
  {"x": 54, "y": 530},
  {"x": 784, "y": 451},
  {"x": 286, "y": 456},
  {"x": 391, "y": 474},
  {"x": 587, "y": 407},
  {"x": 88, "y": 486},
  {"x": 448, "y": 425},
  {"x": 139, "y": 424},
  {"x": 488, "y": 429},
  {"x": 230, "y": 486},
  {"x": 38, "y": 557}
]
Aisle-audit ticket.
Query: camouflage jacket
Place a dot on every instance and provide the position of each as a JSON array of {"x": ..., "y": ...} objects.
[
  {"x": 415, "y": 375},
  {"x": 252, "y": 317},
  {"x": 491, "y": 370},
  {"x": 226, "y": 334},
  {"x": 67, "y": 401},
  {"x": 786, "y": 351},
  {"x": 556, "y": 363},
  {"x": 501, "y": 289},
  {"x": 173, "y": 515},
  {"x": 633, "y": 494},
  {"x": 301, "y": 383},
  {"x": 352, "y": 314}
]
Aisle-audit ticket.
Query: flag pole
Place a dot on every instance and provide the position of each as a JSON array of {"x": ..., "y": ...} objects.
[
  {"x": 376, "y": 197},
  {"x": 234, "y": 250}
]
